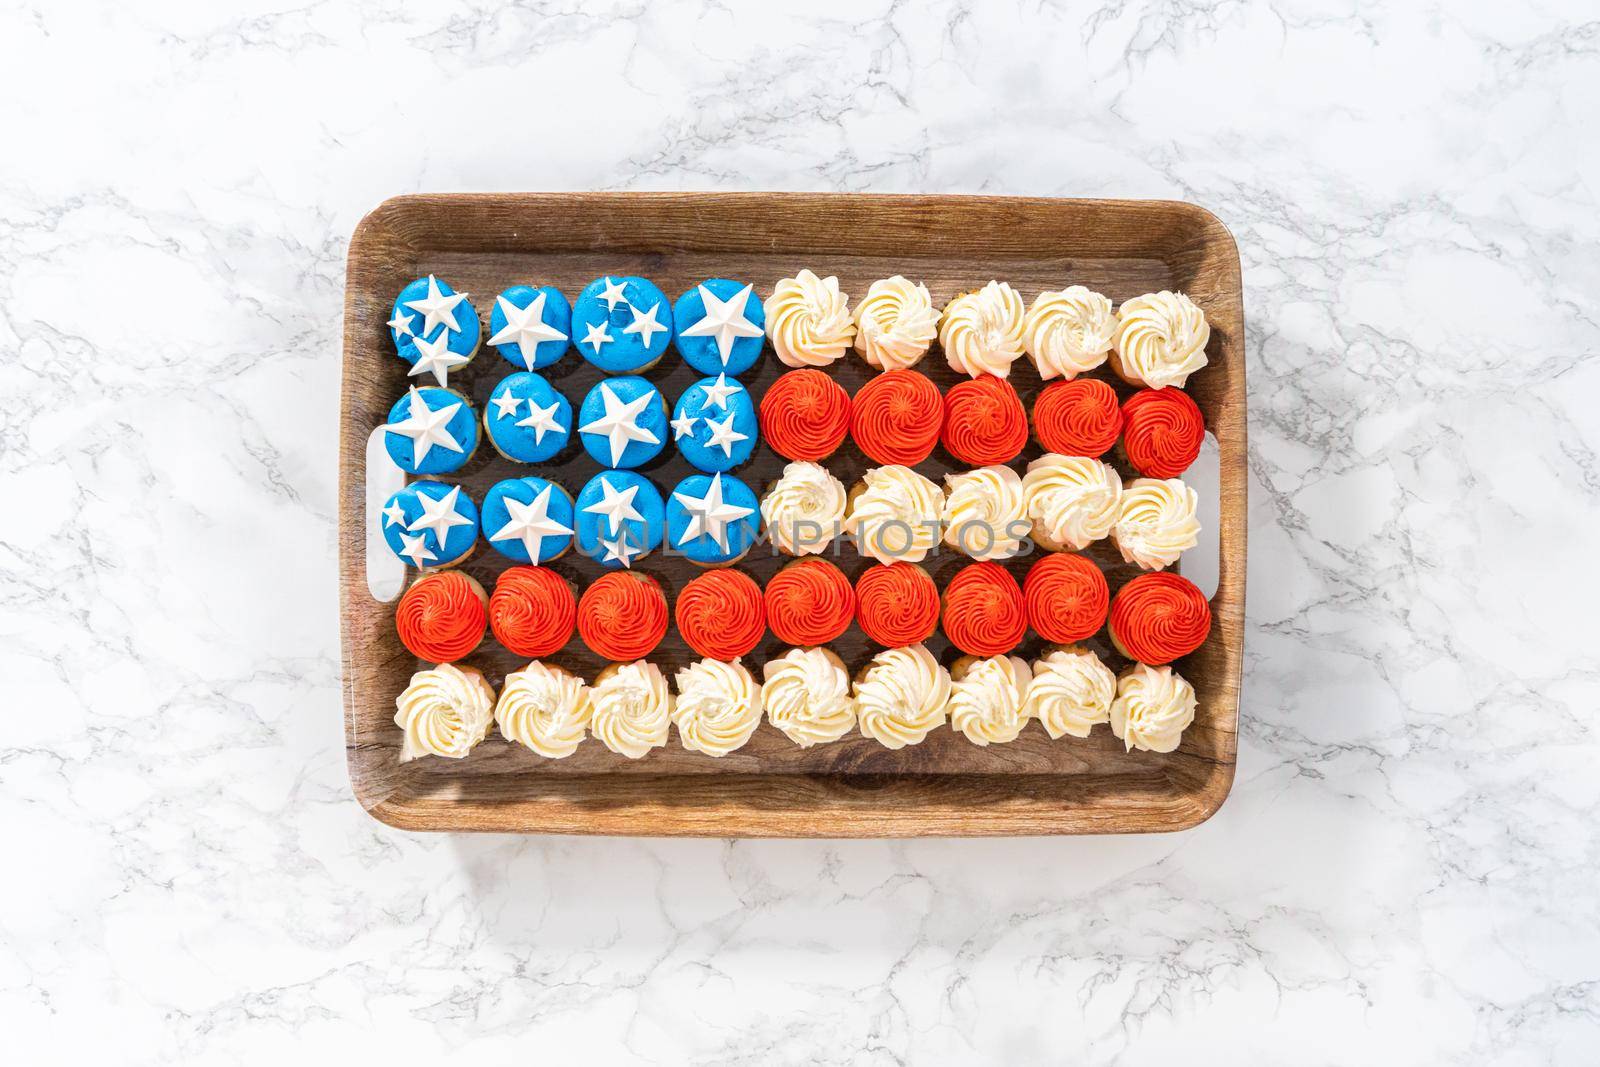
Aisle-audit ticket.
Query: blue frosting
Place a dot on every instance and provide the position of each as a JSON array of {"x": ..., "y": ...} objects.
[
  {"x": 703, "y": 352},
  {"x": 555, "y": 314},
  {"x": 517, "y": 430},
  {"x": 740, "y": 532},
  {"x": 403, "y": 509},
  {"x": 640, "y": 303},
  {"x": 462, "y": 426},
  {"x": 505, "y": 532},
  {"x": 641, "y": 535},
  {"x": 736, "y": 414},
  {"x": 651, "y": 420},
  {"x": 463, "y": 339}
]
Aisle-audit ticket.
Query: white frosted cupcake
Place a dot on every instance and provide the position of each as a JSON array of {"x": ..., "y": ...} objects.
[
  {"x": 804, "y": 509},
  {"x": 1156, "y": 522},
  {"x": 895, "y": 323},
  {"x": 981, "y": 331},
  {"x": 631, "y": 708},
  {"x": 718, "y": 706},
  {"x": 1071, "y": 691},
  {"x": 1154, "y": 705},
  {"x": 1072, "y": 500},
  {"x": 808, "y": 320},
  {"x": 986, "y": 698},
  {"x": 1160, "y": 341},
  {"x": 544, "y": 708},
  {"x": 806, "y": 694},
  {"x": 445, "y": 712},
  {"x": 901, "y": 696},
  {"x": 894, "y": 514},
  {"x": 985, "y": 512},
  {"x": 1068, "y": 332}
]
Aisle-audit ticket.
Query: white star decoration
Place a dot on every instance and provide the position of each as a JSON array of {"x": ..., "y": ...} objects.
[
  {"x": 426, "y": 427},
  {"x": 415, "y": 550},
  {"x": 401, "y": 324},
  {"x": 525, "y": 327},
  {"x": 718, "y": 392},
  {"x": 507, "y": 403},
  {"x": 709, "y": 516},
  {"x": 683, "y": 426},
  {"x": 612, "y": 294},
  {"x": 620, "y": 423},
  {"x": 724, "y": 320},
  {"x": 436, "y": 307},
  {"x": 439, "y": 515},
  {"x": 541, "y": 420},
  {"x": 394, "y": 515},
  {"x": 619, "y": 550},
  {"x": 724, "y": 436},
  {"x": 530, "y": 523},
  {"x": 645, "y": 325},
  {"x": 436, "y": 356},
  {"x": 615, "y": 505},
  {"x": 595, "y": 336}
]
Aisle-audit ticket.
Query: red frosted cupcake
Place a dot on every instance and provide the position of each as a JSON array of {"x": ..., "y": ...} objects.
[
  {"x": 805, "y": 415},
  {"x": 1077, "y": 418},
  {"x": 984, "y": 421},
  {"x": 1159, "y": 617},
  {"x": 895, "y": 417},
  {"x": 1161, "y": 431},
  {"x": 441, "y": 618},
  {"x": 897, "y": 604},
  {"x": 1066, "y": 597},
  {"x": 623, "y": 616},
  {"x": 809, "y": 602},
  {"x": 532, "y": 611},
  {"x": 721, "y": 614},
  {"x": 984, "y": 614}
]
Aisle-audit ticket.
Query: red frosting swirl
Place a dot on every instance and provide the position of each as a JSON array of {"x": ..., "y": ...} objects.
[
  {"x": 721, "y": 614},
  {"x": 805, "y": 415},
  {"x": 441, "y": 618},
  {"x": 810, "y": 602},
  {"x": 984, "y": 421},
  {"x": 895, "y": 417},
  {"x": 897, "y": 604},
  {"x": 1159, "y": 617},
  {"x": 1161, "y": 431},
  {"x": 1077, "y": 418},
  {"x": 1066, "y": 597},
  {"x": 623, "y": 616},
  {"x": 532, "y": 611},
  {"x": 984, "y": 614}
]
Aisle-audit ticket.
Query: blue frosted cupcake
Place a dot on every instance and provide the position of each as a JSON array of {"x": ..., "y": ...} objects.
[
  {"x": 431, "y": 431},
  {"x": 621, "y": 324},
  {"x": 719, "y": 327},
  {"x": 434, "y": 328},
  {"x": 714, "y": 424},
  {"x": 530, "y": 327},
  {"x": 528, "y": 519},
  {"x": 527, "y": 419},
  {"x": 623, "y": 422},
  {"x": 620, "y": 518},
  {"x": 712, "y": 519},
  {"x": 430, "y": 525}
]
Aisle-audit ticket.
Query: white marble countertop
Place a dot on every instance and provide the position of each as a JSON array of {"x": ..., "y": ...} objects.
[{"x": 1406, "y": 870}]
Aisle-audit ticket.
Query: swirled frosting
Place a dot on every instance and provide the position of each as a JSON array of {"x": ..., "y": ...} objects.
[
  {"x": 1154, "y": 705},
  {"x": 1072, "y": 500},
  {"x": 1162, "y": 430},
  {"x": 809, "y": 321},
  {"x": 901, "y": 696},
  {"x": 985, "y": 515},
  {"x": 896, "y": 417},
  {"x": 1156, "y": 522},
  {"x": 721, "y": 614},
  {"x": 544, "y": 708},
  {"x": 532, "y": 611},
  {"x": 895, "y": 515},
  {"x": 1068, "y": 332},
  {"x": 804, "y": 509},
  {"x": 1161, "y": 340},
  {"x": 984, "y": 614},
  {"x": 1077, "y": 418},
  {"x": 810, "y": 602},
  {"x": 631, "y": 708},
  {"x": 718, "y": 707},
  {"x": 1066, "y": 597},
  {"x": 806, "y": 694},
  {"x": 1157, "y": 618},
  {"x": 984, "y": 421},
  {"x": 441, "y": 618},
  {"x": 623, "y": 615},
  {"x": 897, "y": 605},
  {"x": 986, "y": 698},
  {"x": 981, "y": 331},
  {"x": 805, "y": 415},
  {"x": 1070, "y": 692},
  {"x": 444, "y": 712},
  {"x": 895, "y": 323}
]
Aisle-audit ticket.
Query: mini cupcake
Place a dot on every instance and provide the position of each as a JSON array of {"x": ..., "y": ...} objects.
[
  {"x": 1068, "y": 332},
  {"x": 721, "y": 614},
  {"x": 1077, "y": 418},
  {"x": 808, "y": 319},
  {"x": 533, "y": 611},
  {"x": 630, "y": 708},
  {"x": 1073, "y": 501},
  {"x": 621, "y": 324},
  {"x": 981, "y": 331},
  {"x": 805, "y": 415},
  {"x": 714, "y": 424},
  {"x": 718, "y": 707},
  {"x": 895, "y": 418},
  {"x": 431, "y": 431},
  {"x": 1160, "y": 341},
  {"x": 895, "y": 323},
  {"x": 809, "y": 602},
  {"x": 1066, "y": 597},
  {"x": 442, "y": 617},
  {"x": 1157, "y": 618},
  {"x": 531, "y": 328},
  {"x": 894, "y": 515},
  {"x": 434, "y": 328},
  {"x": 1070, "y": 692},
  {"x": 1156, "y": 522},
  {"x": 712, "y": 519},
  {"x": 897, "y": 605},
  {"x": 623, "y": 422},
  {"x": 444, "y": 711},
  {"x": 718, "y": 327},
  {"x": 901, "y": 696},
  {"x": 1154, "y": 705},
  {"x": 527, "y": 420},
  {"x": 430, "y": 525},
  {"x": 806, "y": 694},
  {"x": 984, "y": 421},
  {"x": 623, "y": 615},
  {"x": 804, "y": 509},
  {"x": 1162, "y": 430},
  {"x": 985, "y": 514},
  {"x": 544, "y": 708},
  {"x": 983, "y": 611},
  {"x": 621, "y": 518},
  {"x": 528, "y": 520},
  {"x": 986, "y": 698}
]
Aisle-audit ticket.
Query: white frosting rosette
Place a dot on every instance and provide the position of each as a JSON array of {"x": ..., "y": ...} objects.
[
  {"x": 895, "y": 323},
  {"x": 981, "y": 331},
  {"x": 808, "y": 320},
  {"x": 1072, "y": 500},
  {"x": 806, "y": 694},
  {"x": 804, "y": 509},
  {"x": 631, "y": 708},
  {"x": 1154, "y": 705},
  {"x": 444, "y": 711},
  {"x": 1161, "y": 340},
  {"x": 894, "y": 515},
  {"x": 1068, "y": 332},
  {"x": 986, "y": 698},
  {"x": 1071, "y": 691},
  {"x": 544, "y": 708},
  {"x": 985, "y": 513},
  {"x": 1156, "y": 522},
  {"x": 901, "y": 696},
  {"x": 718, "y": 706}
]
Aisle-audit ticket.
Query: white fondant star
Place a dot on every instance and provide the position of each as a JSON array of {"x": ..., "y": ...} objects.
[
  {"x": 612, "y": 294},
  {"x": 645, "y": 325},
  {"x": 436, "y": 356},
  {"x": 530, "y": 523},
  {"x": 414, "y": 549},
  {"x": 718, "y": 392},
  {"x": 426, "y": 427},
  {"x": 723, "y": 434},
  {"x": 619, "y": 550},
  {"x": 725, "y": 320},
  {"x": 437, "y": 308},
  {"x": 709, "y": 516},
  {"x": 525, "y": 327},
  {"x": 616, "y": 506},
  {"x": 541, "y": 420},
  {"x": 401, "y": 324},
  {"x": 596, "y": 335},
  {"x": 394, "y": 515},
  {"x": 439, "y": 515},
  {"x": 620, "y": 423},
  {"x": 507, "y": 403},
  {"x": 683, "y": 426}
]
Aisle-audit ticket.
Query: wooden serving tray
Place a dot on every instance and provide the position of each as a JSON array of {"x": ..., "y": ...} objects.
[{"x": 854, "y": 787}]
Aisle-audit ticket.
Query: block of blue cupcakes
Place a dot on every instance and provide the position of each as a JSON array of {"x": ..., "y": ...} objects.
[
  {"x": 712, "y": 519},
  {"x": 435, "y": 328},
  {"x": 531, "y": 328},
  {"x": 718, "y": 327},
  {"x": 528, "y": 520},
  {"x": 621, "y": 324},
  {"x": 431, "y": 431},
  {"x": 527, "y": 419},
  {"x": 714, "y": 424},
  {"x": 430, "y": 525},
  {"x": 623, "y": 422},
  {"x": 620, "y": 518}
]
